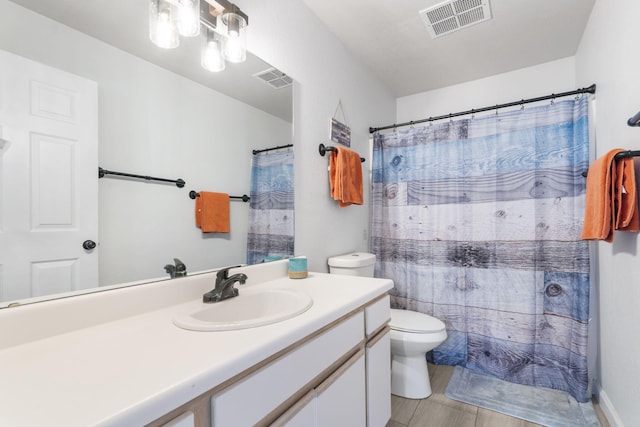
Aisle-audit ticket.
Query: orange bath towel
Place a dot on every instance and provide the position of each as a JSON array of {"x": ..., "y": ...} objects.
[
  {"x": 212, "y": 212},
  {"x": 611, "y": 198},
  {"x": 345, "y": 177},
  {"x": 628, "y": 218}
]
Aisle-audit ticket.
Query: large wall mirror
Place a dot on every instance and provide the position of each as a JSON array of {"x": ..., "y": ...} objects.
[{"x": 151, "y": 112}]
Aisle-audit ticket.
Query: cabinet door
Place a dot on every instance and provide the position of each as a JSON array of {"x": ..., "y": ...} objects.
[
  {"x": 378, "y": 360},
  {"x": 302, "y": 414},
  {"x": 341, "y": 397},
  {"x": 285, "y": 375},
  {"x": 185, "y": 420}
]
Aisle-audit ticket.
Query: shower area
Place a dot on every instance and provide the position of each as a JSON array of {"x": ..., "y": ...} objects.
[
  {"x": 477, "y": 220},
  {"x": 271, "y": 207}
]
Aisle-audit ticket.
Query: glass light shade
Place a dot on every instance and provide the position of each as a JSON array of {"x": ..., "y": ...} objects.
[
  {"x": 189, "y": 18},
  {"x": 163, "y": 28},
  {"x": 235, "y": 46},
  {"x": 211, "y": 56}
]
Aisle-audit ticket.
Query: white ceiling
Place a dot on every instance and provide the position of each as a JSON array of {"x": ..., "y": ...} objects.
[{"x": 391, "y": 39}]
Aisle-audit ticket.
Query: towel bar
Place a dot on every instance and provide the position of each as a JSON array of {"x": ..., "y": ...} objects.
[
  {"x": 622, "y": 155},
  {"x": 635, "y": 120},
  {"x": 272, "y": 148},
  {"x": 322, "y": 149},
  {"x": 102, "y": 172},
  {"x": 244, "y": 197}
]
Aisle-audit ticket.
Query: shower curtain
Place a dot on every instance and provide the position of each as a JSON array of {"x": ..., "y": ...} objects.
[
  {"x": 478, "y": 222},
  {"x": 271, "y": 225}
]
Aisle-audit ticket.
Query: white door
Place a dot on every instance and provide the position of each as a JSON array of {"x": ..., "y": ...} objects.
[{"x": 48, "y": 180}]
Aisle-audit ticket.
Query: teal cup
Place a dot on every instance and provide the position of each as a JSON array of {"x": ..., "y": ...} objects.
[{"x": 298, "y": 267}]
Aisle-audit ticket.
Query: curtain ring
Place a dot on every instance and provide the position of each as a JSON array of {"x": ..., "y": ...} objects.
[
  {"x": 496, "y": 109},
  {"x": 553, "y": 98},
  {"x": 450, "y": 119},
  {"x": 430, "y": 121},
  {"x": 412, "y": 124},
  {"x": 473, "y": 114},
  {"x": 522, "y": 105}
]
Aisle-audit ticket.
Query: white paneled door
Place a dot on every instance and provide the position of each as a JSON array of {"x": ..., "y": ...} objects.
[{"x": 48, "y": 180}]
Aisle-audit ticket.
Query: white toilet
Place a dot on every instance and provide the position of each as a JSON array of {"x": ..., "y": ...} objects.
[{"x": 413, "y": 334}]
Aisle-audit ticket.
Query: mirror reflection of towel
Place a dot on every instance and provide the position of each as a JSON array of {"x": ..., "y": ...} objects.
[
  {"x": 345, "y": 177},
  {"x": 212, "y": 212}
]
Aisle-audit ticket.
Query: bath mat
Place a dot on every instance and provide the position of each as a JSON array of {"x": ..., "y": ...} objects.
[{"x": 552, "y": 408}]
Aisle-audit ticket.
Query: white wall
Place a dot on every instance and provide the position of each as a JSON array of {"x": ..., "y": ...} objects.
[
  {"x": 154, "y": 122},
  {"x": 551, "y": 77},
  {"x": 608, "y": 56},
  {"x": 286, "y": 34}
]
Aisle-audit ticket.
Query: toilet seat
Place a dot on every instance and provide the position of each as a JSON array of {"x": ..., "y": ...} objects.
[{"x": 414, "y": 322}]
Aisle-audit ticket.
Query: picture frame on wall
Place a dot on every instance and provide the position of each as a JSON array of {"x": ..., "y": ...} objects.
[{"x": 340, "y": 133}]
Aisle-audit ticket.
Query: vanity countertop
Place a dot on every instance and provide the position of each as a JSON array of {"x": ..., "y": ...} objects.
[{"x": 129, "y": 371}]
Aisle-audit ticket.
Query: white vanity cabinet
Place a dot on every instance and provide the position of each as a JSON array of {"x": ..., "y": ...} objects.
[
  {"x": 341, "y": 400},
  {"x": 338, "y": 401},
  {"x": 186, "y": 419},
  {"x": 325, "y": 366},
  {"x": 378, "y": 362},
  {"x": 338, "y": 376},
  {"x": 274, "y": 388}
]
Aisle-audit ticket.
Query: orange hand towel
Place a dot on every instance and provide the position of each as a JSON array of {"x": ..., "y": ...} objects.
[
  {"x": 212, "y": 212},
  {"x": 627, "y": 218},
  {"x": 598, "y": 215},
  {"x": 345, "y": 177},
  {"x": 612, "y": 202}
]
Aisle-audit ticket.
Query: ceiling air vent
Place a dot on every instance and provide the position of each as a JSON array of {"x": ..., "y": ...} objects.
[
  {"x": 275, "y": 78},
  {"x": 450, "y": 16}
]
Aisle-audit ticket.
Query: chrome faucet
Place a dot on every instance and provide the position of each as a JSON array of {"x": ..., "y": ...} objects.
[
  {"x": 224, "y": 286},
  {"x": 177, "y": 270}
]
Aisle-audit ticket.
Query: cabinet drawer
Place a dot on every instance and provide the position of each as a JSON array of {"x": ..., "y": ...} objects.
[
  {"x": 376, "y": 315},
  {"x": 302, "y": 414},
  {"x": 276, "y": 382},
  {"x": 185, "y": 420}
]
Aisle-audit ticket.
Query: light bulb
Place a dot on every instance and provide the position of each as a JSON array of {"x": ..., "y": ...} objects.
[
  {"x": 189, "y": 18},
  {"x": 235, "y": 47},
  {"x": 163, "y": 30},
  {"x": 211, "y": 57},
  {"x": 233, "y": 50}
]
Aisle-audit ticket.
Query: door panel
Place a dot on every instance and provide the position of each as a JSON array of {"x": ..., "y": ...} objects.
[{"x": 48, "y": 179}]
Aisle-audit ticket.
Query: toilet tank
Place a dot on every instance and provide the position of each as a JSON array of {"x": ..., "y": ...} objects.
[{"x": 353, "y": 264}]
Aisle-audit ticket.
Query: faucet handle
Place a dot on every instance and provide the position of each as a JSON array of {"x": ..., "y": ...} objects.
[
  {"x": 223, "y": 273},
  {"x": 179, "y": 265}
]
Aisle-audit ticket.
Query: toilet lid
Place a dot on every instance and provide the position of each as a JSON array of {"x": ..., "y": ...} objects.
[{"x": 412, "y": 321}]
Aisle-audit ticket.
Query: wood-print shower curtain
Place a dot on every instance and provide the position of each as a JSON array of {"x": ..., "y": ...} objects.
[
  {"x": 478, "y": 222},
  {"x": 271, "y": 220}
]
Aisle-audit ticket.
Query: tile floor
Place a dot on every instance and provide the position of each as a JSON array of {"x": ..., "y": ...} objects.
[{"x": 440, "y": 411}]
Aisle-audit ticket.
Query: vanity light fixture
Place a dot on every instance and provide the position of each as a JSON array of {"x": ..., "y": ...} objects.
[{"x": 221, "y": 23}]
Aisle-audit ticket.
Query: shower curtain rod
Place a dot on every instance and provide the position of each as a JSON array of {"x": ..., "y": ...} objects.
[
  {"x": 272, "y": 148},
  {"x": 591, "y": 89}
]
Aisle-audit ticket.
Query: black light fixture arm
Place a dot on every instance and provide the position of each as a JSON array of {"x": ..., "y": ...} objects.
[{"x": 211, "y": 9}]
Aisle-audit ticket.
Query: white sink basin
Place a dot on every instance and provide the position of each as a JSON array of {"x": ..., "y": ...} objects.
[{"x": 248, "y": 310}]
